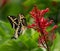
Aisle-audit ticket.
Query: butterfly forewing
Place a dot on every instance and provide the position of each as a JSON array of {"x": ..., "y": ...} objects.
[{"x": 13, "y": 20}]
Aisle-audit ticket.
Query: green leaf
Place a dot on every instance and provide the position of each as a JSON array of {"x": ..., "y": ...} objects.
[
  {"x": 6, "y": 31},
  {"x": 26, "y": 41},
  {"x": 56, "y": 44}
]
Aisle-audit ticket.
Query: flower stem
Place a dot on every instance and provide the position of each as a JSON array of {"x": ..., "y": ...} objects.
[{"x": 48, "y": 49}]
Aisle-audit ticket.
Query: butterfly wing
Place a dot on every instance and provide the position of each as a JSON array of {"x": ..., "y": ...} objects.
[
  {"x": 23, "y": 23},
  {"x": 13, "y": 20},
  {"x": 18, "y": 24}
]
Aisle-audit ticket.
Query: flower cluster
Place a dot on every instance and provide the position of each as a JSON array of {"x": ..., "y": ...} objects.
[{"x": 41, "y": 23}]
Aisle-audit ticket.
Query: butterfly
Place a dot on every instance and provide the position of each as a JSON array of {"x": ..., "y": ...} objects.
[{"x": 18, "y": 24}]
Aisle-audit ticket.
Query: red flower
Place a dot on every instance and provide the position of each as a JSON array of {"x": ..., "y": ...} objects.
[
  {"x": 41, "y": 23},
  {"x": 54, "y": 27}
]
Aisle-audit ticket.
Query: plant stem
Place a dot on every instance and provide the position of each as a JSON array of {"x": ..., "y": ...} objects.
[{"x": 48, "y": 49}]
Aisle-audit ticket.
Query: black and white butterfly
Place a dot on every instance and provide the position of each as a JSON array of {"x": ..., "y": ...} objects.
[{"x": 18, "y": 23}]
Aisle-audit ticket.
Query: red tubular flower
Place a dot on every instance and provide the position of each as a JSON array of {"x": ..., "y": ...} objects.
[
  {"x": 54, "y": 27},
  {"x": 40, "y": 21},
  {"x": 41, "y": 24},
  {"x": 31, "y": 26}
]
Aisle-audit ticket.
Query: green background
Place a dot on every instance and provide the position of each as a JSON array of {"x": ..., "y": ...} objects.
[{"x": 28, "y": 41}]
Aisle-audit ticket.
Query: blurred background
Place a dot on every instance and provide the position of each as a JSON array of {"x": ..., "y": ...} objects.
[
  {"x": 14, "y": 7},
  {"x": 28, "y": 41}
]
